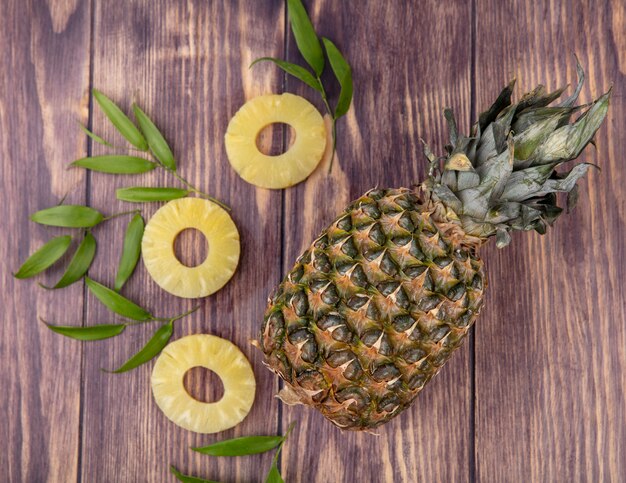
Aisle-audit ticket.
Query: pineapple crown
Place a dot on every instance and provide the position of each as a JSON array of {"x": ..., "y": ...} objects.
[{"x": 504, "y": 176}]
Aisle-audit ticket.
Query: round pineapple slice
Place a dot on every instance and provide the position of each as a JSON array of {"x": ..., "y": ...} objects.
[
  {"x": 286, "y": 169},
  {"x": 157, "y": 247},
  {"x": 218, "y": 355}
]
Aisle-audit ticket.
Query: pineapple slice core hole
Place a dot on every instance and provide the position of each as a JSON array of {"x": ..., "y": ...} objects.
[
  {"x": 203, "y": 384},
  {"x": 191, "y": 247},
  {"x": 275, "y": 139}
]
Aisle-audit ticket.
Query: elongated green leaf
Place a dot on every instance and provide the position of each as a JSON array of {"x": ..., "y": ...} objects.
[
  {"x": 152, "y": 348},
  {"x": 139, "y": 194},
  {"x": 343, "y": 73},
  {"x": 156, "y": 141},
  {"x": 44, "y": 257},
  {"x": 187, "y": 478},
  {"x": 274, "y": 475},
  {"x": 116, "y": 303},
  {"x": 95, "y": 332},
  {"x": 68, "y": 216},
  {"x": 130, "y": 251},
  {"x": 121, "y": 121},
  {"x": 241, "y": 446},
  {"x": 95, "y": 137},
  {"x": 306, "y": 38},
  {"x": 80, "y": 262},
  {"x": 295, "y": 70},
  {"x": 115, "y": 164}
]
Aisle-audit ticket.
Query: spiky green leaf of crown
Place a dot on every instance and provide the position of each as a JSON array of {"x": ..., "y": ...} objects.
[{"x": 506, "y": 175}]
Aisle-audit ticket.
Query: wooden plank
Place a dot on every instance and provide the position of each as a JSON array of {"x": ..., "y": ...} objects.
[
  {"x": 410, "y": 60},
  {"x": 551, "y": 344},
  {"x": 187, "y": 64},
  {"x": 44, "y": 49}
]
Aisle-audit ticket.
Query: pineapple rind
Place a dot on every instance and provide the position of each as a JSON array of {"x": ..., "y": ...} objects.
[
  {"x": 373, "y": 308},
  {"x": 289, "y": 168},
  {"x": 218, "y": 355},
  {"x": 158, "y": 247}
]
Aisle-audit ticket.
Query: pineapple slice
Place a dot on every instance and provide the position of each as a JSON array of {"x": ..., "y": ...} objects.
[
  {"x": 218, "y": 355},
  {"x": 157, "y": 247},
  {"x": 286, "y": 169}
]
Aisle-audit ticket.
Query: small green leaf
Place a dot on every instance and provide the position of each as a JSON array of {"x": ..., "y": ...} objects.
[
  {"x": 274, "y": 475},
  {"x": 115, "y": 164},
  {"x": 80, "y": 262},
  {"x": 295, "y": 70},
  {"x": 187, "y": 478},
  {"x": 241, "y": 446},
  {"x": 151, "y": 349},
  {"x": 116, "y": 303},
  {"x": 130, "y": 251},
  {"x": 343, "y": 73},
  {"x": 139, "y": 194},
  {"x": 95, "y": 332},
  {"x": 156, "y": 141},
  {"x": 121, "y": 121},
  {"x": 44, "y": 257},
  {"x": 95, "y": 137},
  {"x": 68, "y": 216},
  {"x": 306, "y": 38}
]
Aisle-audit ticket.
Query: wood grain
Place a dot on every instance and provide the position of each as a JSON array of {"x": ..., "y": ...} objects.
[
  {"x": 551, "y": 344},
  {"x": 536, "y": 395},
  {"x": 43, "y": 86},
  {"x": 187, "y": 65},
  {"x": 400, "y": 96}
]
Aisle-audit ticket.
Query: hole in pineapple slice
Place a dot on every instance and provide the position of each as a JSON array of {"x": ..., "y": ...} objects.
[
  {"x": 203, "y": 385},
  {"x": 270, "y": 139},
  {"x": 191, "y": 247}
]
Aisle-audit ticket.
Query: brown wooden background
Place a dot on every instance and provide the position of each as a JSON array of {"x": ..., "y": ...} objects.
[{"x": 538, "y": 393}]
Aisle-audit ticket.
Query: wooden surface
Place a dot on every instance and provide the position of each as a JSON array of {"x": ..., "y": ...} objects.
[{"x": 537, "y": 394}]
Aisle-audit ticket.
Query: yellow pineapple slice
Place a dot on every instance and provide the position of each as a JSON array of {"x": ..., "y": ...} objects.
[
  {"x": 286, "y": 169},
  {"x": 157, "y": 247},
  {"x": 218, "y": 355}
]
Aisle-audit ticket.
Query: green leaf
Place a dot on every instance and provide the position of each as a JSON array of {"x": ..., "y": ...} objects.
[
  {"x": 130, "y": 251},
  {"x": 295, "y": 70},
  {"x": 95, "y": 332},
  {"x": 152, "y": 348},
  {"x": 245, "y": 445},
  {"x": 121, "y": 121},
  {"x": 115, "y": 164},
  {"x": 139, "y": 194},
  {"x": 274, "y": 475},
  {"x": 343, "y": 73},
  {"x": 80, "y": 262},
  {"x": 95, "y": 137},
  {"x": 156, "y": 141},
  {"x": 44, "y": 257},
  {"x": 187, "y": 478},
  {"x": 68, "y": 216},
  {"x": 306, "y": 38},
  {"x": 116, "y": 303}
]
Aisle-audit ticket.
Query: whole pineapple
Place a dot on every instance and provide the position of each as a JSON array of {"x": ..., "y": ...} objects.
[{"x": 377, "y": 304}]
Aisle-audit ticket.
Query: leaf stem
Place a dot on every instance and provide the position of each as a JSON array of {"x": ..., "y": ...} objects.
[
  {"x": 175, "y": 318},
  {"x": 196, "y": 190},
  {"x": 334, "y": 122},
  {"x": 122, "y": 213}
]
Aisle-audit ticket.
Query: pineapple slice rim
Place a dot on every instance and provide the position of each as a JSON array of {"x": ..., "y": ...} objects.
[
  {"x": 218, "y": 355},
  {"x": 222, "y": 237},
  {"x": 292, "y": 166}
]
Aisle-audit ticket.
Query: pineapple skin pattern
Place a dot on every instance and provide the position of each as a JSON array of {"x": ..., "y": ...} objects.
[
  {"x": 377, "y": 304},
  {"x": 373, "y": 309}
]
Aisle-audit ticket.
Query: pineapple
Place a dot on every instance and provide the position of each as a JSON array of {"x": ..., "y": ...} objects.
[
  {"x": 157, "y": 247},
  {"x": 218, "y": 355},
  {"x": 377, "y": 304},
  {"x": 289, "y": 168}
]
